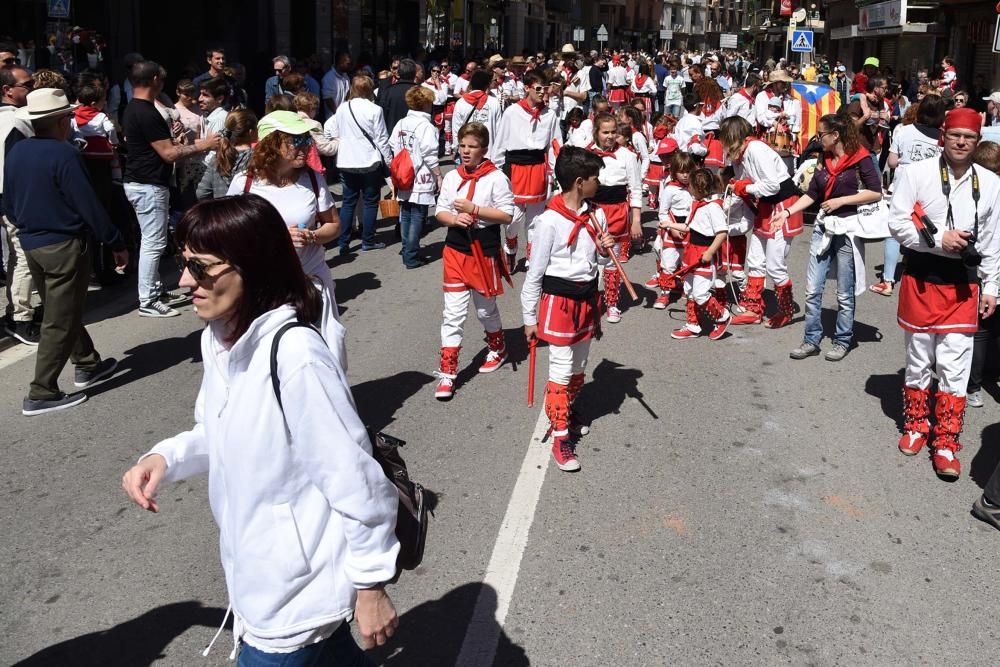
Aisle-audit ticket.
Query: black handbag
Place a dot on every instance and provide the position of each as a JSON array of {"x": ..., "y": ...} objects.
[
  {"x": 383, "y": 168},
  {"x": 411, "y": 516}
]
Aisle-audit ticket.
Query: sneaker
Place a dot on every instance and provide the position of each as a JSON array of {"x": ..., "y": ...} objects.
[
  {"x": 28, "y": 333},
  {"x": 445, "y": 389},
  {"x": 662, "y": 301},
  {"x": 32, "y": 406},
  {"x": 975, "y": 399},
  {"x": 614, "y": 315},
  {"x": 912, "y": 442},
  {"x": 654, "y": 281},
  {"x": 985, "y": 512},
  {"x": 946, "y": 463},
  {"x": 884, "y": 288},
  {"x": 804, "y": 350},
  {"x": 157, "y": 308},
  {"x": 683, "y": 334},
  {"x": 372, "y": 246},
  {"x": 719, "y": 330},
  {"x": 84, "y": 377},
  {"x": 747, "y": 318},
  {"x": 836, "y": 353},
  {"x": 511, "y": 262},
  {"x": 562, "y": 452},
  {"x": 494, "y": 360},
  {"x": 172, "y": 300}
]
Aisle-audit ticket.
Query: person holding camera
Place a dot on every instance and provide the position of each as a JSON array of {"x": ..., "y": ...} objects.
[{"x": 944, "y": 213}]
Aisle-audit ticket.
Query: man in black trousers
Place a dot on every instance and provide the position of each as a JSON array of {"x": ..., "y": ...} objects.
[{"x": 48, "y": 197}]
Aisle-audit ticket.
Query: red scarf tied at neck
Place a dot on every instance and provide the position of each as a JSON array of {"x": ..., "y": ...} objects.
[
  {"x": 594, "y": 148},
  {"x": 476, "y": 98},
  {"x": 484, "y": 168},
  {"x": 534, "y": 112},
  {"x": 579, "y": 220},
  {"x": 640, "y": 80},
  {"x": 846, "y": 162}
]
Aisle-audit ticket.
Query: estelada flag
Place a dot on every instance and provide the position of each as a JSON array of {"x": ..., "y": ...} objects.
[{"x": 817, "y": 101}]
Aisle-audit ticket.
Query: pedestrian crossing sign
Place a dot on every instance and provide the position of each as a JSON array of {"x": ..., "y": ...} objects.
[
  {"x": 59, "y": 9},
  {"x": 802, "y": 41}
]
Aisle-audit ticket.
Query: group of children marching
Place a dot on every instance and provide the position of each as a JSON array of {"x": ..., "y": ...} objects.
[{"x": 703, "y": 238}]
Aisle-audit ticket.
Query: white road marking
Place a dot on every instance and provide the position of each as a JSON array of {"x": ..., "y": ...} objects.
[
  {"x": 15, "y": 354},
  {"x": 480, "y": 644}
]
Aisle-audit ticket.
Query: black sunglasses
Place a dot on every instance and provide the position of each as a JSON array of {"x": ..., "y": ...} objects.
[
  {"x": 11, "y": 61},
  {"x": 197, "y": 267}
]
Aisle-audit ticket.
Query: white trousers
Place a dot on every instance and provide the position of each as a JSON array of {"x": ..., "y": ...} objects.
[
  {"x": 524, "y": 217},
  {"x": 456, "y": 309},
  {"x": 670, "y": 259},
  {"x": 699, "y": 288},
  {"x": 949, "y": 356},
  {"x": 768, "y": 257},
  {"x": 567, "y": 360}
]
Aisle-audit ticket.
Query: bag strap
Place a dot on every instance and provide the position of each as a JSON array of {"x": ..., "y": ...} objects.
[
  {"x": 275, "y": 384},
  {"x": 314, "y": 183},
  {"x": 366, "y": 135}
]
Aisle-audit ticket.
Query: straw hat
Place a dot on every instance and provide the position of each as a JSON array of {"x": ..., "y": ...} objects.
[
  {"x": 779, "y": 75},
  {"x": 568, "y": 48},
  {"x": 45, "y": 103}
]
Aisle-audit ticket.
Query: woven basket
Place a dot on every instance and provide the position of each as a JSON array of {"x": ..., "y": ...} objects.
[{"x": 389, "y": 208}]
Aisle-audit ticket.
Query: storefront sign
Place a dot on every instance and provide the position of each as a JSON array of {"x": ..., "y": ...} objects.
[
  {"x": 882, "y": 15},
  {"x": 786, "y": 7}
]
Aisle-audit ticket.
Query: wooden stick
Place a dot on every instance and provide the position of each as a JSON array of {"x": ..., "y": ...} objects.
[
  {"x": 618, "y": 265},
  {"x": 532, "y": 348}
]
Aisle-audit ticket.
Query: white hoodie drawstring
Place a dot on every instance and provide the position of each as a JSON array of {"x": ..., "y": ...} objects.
[{"x": 218, "y": 632}]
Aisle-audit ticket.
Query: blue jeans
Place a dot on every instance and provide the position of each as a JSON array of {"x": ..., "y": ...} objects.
[
  {"x": 338, "y": 650},
  {"x": 674, "y": 110},
  {"x": 891, "y": 259},
  {"x": 411, "y": 223},
  {"x": 366, "y": 185},
  {"x": 152, "y": 205},
  {"x": 842, "y": 252}
]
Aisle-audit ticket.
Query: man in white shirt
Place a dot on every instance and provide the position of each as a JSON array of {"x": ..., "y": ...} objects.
[{"x": 337, "y": 82}]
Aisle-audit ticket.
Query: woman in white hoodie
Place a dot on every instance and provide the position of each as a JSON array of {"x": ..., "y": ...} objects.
[
  {"x": 306, "y": 515},
  {"x": 416, "y": 134}
]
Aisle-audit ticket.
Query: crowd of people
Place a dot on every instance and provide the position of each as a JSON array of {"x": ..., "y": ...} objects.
[{"x": 556, "y": 158}]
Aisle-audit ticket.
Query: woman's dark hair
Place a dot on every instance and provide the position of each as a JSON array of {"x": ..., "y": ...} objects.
[
  {"x": 249, "y": 233},
  {"x": 279, "y": 102},
  {"x": 240, "y": 128},
  {"x": 635, "y": 117},
  {"x": 573, "y": 163},
  {"x": 843, "y": 125},
  {"x": 931, "y": 110},
  {"x": 187, "y": 87},
  {"x": 702, "y": 183},
  {"x": 575, "y": 114}
]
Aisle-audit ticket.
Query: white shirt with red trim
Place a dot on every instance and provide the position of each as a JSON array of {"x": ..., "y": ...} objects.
[
  {"x": 742, "y": 105},
  {"x": 489, "y": 116},
  {"x": 460, "y": 85},
  {"x": 617, "y": 76},
  {"x": 762, "y": 165},
  {"x": 623, "y": 169},
  {"x": 518, "y": 131},
  {"x": 648, "y": 86},
  {"x": 709, "y": 219},
  {"x": 492, "y": 191},
  {"x": 440, "y": 91},
  {"x": 675, "y": 199}
]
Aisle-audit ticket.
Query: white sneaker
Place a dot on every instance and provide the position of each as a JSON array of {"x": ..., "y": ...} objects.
[
  {"x": 975, "y": 399},
  {"x": 614, "y": 315},
  {"x": 157, "y": 308}
]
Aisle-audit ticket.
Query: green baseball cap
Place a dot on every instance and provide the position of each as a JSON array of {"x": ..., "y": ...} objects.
[
  {"x": 871, "y": 60},
  {"x": 288, "y": 122}
]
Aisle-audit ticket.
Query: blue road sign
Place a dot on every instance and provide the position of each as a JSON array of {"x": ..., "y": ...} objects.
[
  {"x": 59, "y": 9},
  {"x": 802, "y": 41}
]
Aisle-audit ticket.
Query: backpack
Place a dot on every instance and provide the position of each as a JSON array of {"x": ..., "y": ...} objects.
[
  {"x": 411, "y": 516},
  {"x": 401, "y": 171}
]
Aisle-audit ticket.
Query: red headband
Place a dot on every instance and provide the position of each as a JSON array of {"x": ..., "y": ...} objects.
[{"x": 963, "y": 119}]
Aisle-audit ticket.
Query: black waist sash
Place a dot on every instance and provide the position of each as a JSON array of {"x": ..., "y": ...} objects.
[
  {"x": 938, "y": 270},
  {"x": 525, "y": 156},
  {"x": 488, "y": 237},
  {"x": 697, "y": 238},
  {"x": 610, "y": 194},
  {"x": 571, "y": 290},
  {"x": 786, "y": 190}
]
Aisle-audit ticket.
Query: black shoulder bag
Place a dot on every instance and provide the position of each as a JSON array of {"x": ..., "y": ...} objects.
[
  {"x": 383, "y": 169},
  {"x": 411, "y": 517}
]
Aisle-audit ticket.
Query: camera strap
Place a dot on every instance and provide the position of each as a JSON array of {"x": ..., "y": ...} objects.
[{"x": 946, "y": 191}]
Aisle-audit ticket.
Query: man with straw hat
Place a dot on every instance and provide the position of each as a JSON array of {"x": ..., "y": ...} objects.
[{"x": 48, "y": 197}]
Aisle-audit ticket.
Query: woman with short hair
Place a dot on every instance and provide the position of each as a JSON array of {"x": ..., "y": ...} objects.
[{"x": 306, "y": 516}]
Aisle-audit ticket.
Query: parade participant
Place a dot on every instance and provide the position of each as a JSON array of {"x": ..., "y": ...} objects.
[
  {"x": 574, "y": 93},
  {"x": 845, "y": 179},
  {"x": 986, "y": 156},
  {"x": 278, "y": 172},
  {"x": 476, "y": 105},
  {"x": 598, "y": 105},
  {"x": 306, "y": 516},
  {"x": 688, "y": 132},
  {"x": 940, "y": 299},
  {"x": 643, "y": 87},
  {"x": 527, "y": 140},
  {"x": 655, "y": 174},
  {"x": 619, "y": 196},
  {"x": 739, "y": 219},
  {"x": 514, "y": 85},
  {"x": 763, "y": 182},
  {"x": 577, "y": 133},
  {"x": 462, "y": 81},
  {"x": 705, "y": 231},
  {"x": 475, "y": 200},
  {"x": 710, "y": 112},
  {"x": 742, "y": 103},
  {"x": 559, "y": 300},
  {"x": 415, "y": 134},
  {"x": 618, "y": 83},
  {"x": 441, "y": 92},
  {"x": 675, "y": 204},
  {"x": 637, "y": 136},
  {"x": 449, "y": 108}
]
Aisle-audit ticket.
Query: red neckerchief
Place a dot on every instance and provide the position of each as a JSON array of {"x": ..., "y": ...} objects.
[
  {"x": 84, "y": 114},
  {"x": 845, "y": 163},
  {"x": 431, "y": 82},
  {"x": 660, "y": 132},
  {"x": 746, "y": 145},
  {"x": 677, "y": 183},
  {"x": 485, "y": 167},
  {"x": 594, "y": 148},
  {"x": 476, "y": 98},
  {"x": 708, "y": 108},
  {"x": 745, "y": 94},
  {"x": 534, "y": 112},
  {"x": 697, "y": 205},
  {"x": 464, "y": 75},
  {"x": 580, "y": 221},
  {"x": 640, "y": 80}
]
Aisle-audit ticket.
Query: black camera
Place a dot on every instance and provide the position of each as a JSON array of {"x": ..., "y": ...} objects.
[{"x": 971, "y": 256}]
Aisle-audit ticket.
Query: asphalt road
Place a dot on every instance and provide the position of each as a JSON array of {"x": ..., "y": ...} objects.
[{"x": 734, "y": 507}]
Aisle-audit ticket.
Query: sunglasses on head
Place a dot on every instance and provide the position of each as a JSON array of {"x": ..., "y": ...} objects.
[{"x": 198, "y": 268}]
